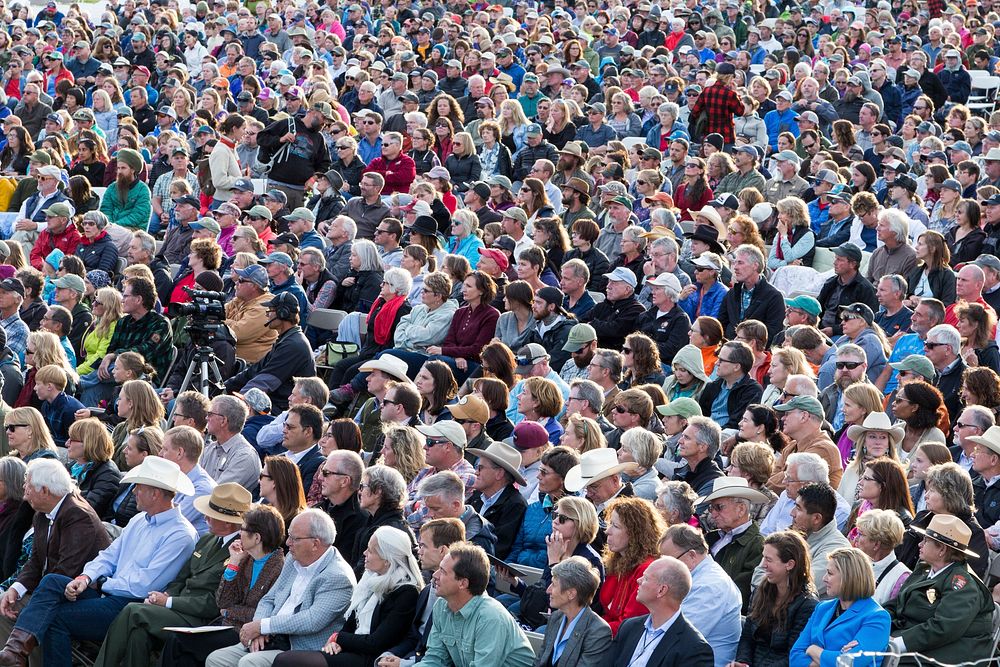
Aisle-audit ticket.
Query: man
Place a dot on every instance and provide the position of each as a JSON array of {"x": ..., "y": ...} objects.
[
  {"x": 296, "y": 150},
  {"x": 713, "y": 605},
  {"x": 69, "y": 295},
  {"x": 246, "y": 314},
  {"x": 606, "y": 371},
  {"x": 367, "y": 210},
  {"x": 619, "y": 215},
  {"x": 801, "y": 469},
  {"x": 665, "y": 322},
  {"x": 229, "y": 457},
  {"x": 746, "y": 174},
  {"x": 787, "y": 183},
  {"x": 895, "y": 255},
  {"x": 802, "y": 421},
  {"x": 82, "y": 66},
  {"x": 303, "y": 427},
  {"x": 127, "y": 201},
  {"x": 445, "y": 450},
  {"x": 468, "y": 624},
  {"x": 850, "y": 367},
  {"x": 814, "y": 516},
  {"x": 378, "y": 374},
  {"x": 836, "y": 228},
  {"x": 31, "y": 218},
  {"x": 581, "y": 345},
  {"x": 535, "y": 148},
  {"x": 496, "y": 498},
  {"x": 698, "y": 447},
  {"x": 575, "y": 197},
  {"x": 31, "y": 110},
  {"x": 57, "y": 320},
  {"x": 727, "y": 398},
  {"x": 736, "y": 544},
  {"x": 472, "y": 414},
  {"x": 552, "y": 323},
  {"x": 845, "y": 287},
  {"x": 443, "y": 495},
  {"x": 893, "y": 316},
  {"x": 281, "y": 272},
  {"x": 616, "y": 317},
  {"x": 291, "y": 356},
  {"x": 674, "y": 641},
  {"x": 177, "y": 242},
  {"x": 395, "y": 167},
  {"x": 189, "y": 600},
  {"x": 15, "y": 329},
  {"x": 969, "y": 285},
  {"x": 341, "y": 472},
  {"x": 986, "y": 465},
  {"x": 476, "y": 199},
  {"x": 308, "y": 601},
  {"x": 69, "y": 534},
  {"x": 514, "y": 221},
  {"x": 311, "y": 390},
  {"x": 146, "y": 557},
  {"x": 944, "y": 350},
  {"x": 752, "y": 297},
  {"x": 973, "y": 422},
  {"x": 388, "y": 234},
  {"x": 573, "y": 280},
  {"x": 184, "y": 446},
  {"x": 302, "y": 223},
  {"x": 403, "y": 406},
  {"x": 58, "y": 234},
  {"x": 928, "y": 314}
]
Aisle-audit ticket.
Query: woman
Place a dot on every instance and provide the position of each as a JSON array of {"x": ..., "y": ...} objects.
[
  {"x": 256, "y": 559},
  {"x": 541, "y": 401},
  {"x": 862, "y": 177},
  {"x": 860, "y": 400},
  {"x": 338, "y": 434},
  {"x": 924, "y": 458},
  {"x": 464, "y": 241},
  {"x": 348, "y": 164},
  {"x": 496, "y": 393},
  {"x": 666, "y": 130},
  {"x": 643, "y": 448},
  {"x": 138, "y": 445},
  {"x": 706, "y": 335},
  {"x": 582, "y": 434},
  {"x": 851, "y": 620},
  {"x": 633, "y": 535},
  {"x": 760, "y": 423},
  {"x": 360, "y": 289},
  {"x": 977, "y": 324},
  {"x": 933, "y": 276},
  {"x": 785, "y": 361},
  {"x": 675, "y": 501},
  {"x": 795, "y": 243},
  {"x": 693, "y": 194},
  {"x": 642, "y": 361},
  {"x": 981, "y": 386},
  {"x": 381, "y": 610},
  {"x": 559, "y": 129},
  {"x": 13, "y": 525},
  {"x": 494, "y": 156},
  {"x": 89, "y": 448},
  {"x": 720, "y": 165},
  {"x": 43, "y": 349},
  {"x": 550, "y": 235},
  {"x": 140, "y": 406},
  {"x": 583, "y": 235},
  {"x": 28, "y": 435},
  {"x": 754, "y": 462},
  {"x": 688, "y": 378},
  {"x": 622, "y": 117},
  {"x": 882, "y": 486},
  {"x": 782, "y": 604},
  {"x": 573, "y": 584},
  {"x": 14, "y": 157},
  {"x": 444, "y": 133},
  {"x": 437, "y": 387},
  {"x": 382, "y": 496},
  {"x": 424, "y": 232},
  {"x": 533, "y": 199},
  {"x": 530, "y": 546},
  {"x": 921, "y": 408},
  {"x": 949, "y": 619},
  {"x": 513, "y": 124},
  {"x": 403, "y": 451},
  {"x": 879, "y": 532},
  {"x": 96, "y": 249},
  {"x": 944, "y": 213},
  {"x": 423, "y": 154},
  {"x": 516, "y": 325},
  {"x": 281, "y": 487},
  {"x": 107, "y": 309},
  {"x": 205, "y": 256},
  {"x": 966, "y": 238},
  {"x": 633, "y": 245},
  {"x": 463, "y": 163}
]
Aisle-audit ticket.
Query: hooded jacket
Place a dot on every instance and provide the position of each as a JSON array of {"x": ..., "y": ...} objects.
[
  {"x": 689, "y": 358},
  {"x": 742, "y": 394}
]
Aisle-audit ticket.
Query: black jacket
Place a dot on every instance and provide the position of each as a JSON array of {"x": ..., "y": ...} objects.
[
  {"x": 858, "y": 290},
  {"x": 702, "y": 477},
  {"x": 769, "y": 647},
  {"x": 966, "y": 250},
  {"x": 597, "y": 262},
  {"x": 950, "y": 386},
  {"x": 767, "y": 305},
  {"x": 33, "y": 313},
  {"x": 681, "y": 646},
  {"x": 908, "y": 552},
  {"x": 291, "y": 357},
  {"x": 941, "y": 281},
  {"x": 126, "y": 510},
  {"x": 391, "y": 619},
  {"x": 351, "y": 173},
  {"x": 987, "y": 501},
  {"x": 362, "y": 294},
  {"x": 82, "y": 319},
  {"x": 99, "y": 486},
  {"x": 308, "y": 155},
  {"x": 413, "y": 640},
  {"x": 161, "y": 276},
  {"x": 670, "y": 331},
  {"x": 506, "y": 515},
  {"x": 554, "y": 339},
  {"x": 525, "y": 158},
  {"x": 613, "y": 320},
  {"x": 384, "y": 516},
  {"x": 101, "y": 254},
  {"x": 464, "y": 171},
  {"x": 742, "y": 394},
  {"x": 330, "y": 206}
]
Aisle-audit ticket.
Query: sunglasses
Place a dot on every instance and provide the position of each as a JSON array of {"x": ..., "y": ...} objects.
[
  {"x": 558, "y": 517},
  {"x": 10, "y": 428},
  {"x": 849, "y": 365},
  {"x": 622, "y": 410}
]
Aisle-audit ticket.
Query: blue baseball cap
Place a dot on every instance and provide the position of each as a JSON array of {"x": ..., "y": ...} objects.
[{"x": 256, "y": 274}]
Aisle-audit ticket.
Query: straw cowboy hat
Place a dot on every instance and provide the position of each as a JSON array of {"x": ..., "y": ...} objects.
[
  {"x": 950, "y": 531},
  {"x": 879, "y": 422},
  {"x": 228, "y": 503},
  {"x": 594, "y": 466},
  {"x": 161, "y": 473},
  {"x": 504, "y": 456},
  {"x": 388, "y": 364},
  {"x": 733, "y": 487},
  {"x": 990, "y": 439}
]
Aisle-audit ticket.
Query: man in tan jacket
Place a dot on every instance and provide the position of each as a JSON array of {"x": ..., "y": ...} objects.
[
  {"x": 802, "y": 421},
  {"x": 246, "y": 315}
]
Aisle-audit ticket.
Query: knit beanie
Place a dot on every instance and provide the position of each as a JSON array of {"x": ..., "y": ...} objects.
[{"x": 132, "y": 158}]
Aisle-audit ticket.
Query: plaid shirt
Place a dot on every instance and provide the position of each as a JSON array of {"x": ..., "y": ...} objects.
[
  {"x": 17, "y": 335},
  {"x": 721, "y": 103},
  {"x": 149, "y": 336}
]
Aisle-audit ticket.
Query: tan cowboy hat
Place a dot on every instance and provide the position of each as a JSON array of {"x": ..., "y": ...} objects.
[
  {"x": 950, "y": 531},
  {"x": 877, "y": 421},
  {"x": 711, "y": 214},
  {"x": 594, "y": 466},
  {"x": 990, "y": 439},
  {"x": 228, "y": 503},
  {"x": 504, "y": 456},
  {"x": 161, "y": 473},
  {"x": 733, "y": 487},
  {"x": 388, "y": 364}
]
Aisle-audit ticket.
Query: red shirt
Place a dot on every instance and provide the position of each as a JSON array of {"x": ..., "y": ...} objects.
[
  {"x": 618, "y": 596},
  {"x": 399, "y": 174},
  {"x": 951, "y": 318},
  {"x": 68, "y": 242},
  {"x": 721, "y": 104}
]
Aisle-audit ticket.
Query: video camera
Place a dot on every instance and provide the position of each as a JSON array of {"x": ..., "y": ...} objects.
[{"x": 206, "y": 311}]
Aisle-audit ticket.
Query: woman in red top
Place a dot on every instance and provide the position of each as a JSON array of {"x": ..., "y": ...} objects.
[
  {"x": 693, "y": 194},
  {"x": 633, "y": 532},
  {"x": 205, "y": 255}
]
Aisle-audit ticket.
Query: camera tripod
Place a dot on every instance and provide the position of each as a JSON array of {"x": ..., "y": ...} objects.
[{"x": 202, "y": 364}]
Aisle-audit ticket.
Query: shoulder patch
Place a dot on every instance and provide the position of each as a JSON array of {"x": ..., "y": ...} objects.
[
  {"x": 958, "y": 582},
  {"x": 155, "y": 338}
]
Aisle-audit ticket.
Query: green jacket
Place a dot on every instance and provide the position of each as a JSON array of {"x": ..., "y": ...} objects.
[
  {"x": 135, "y": 212},
  {"x": 370, "y": 421},
  {"x": 953, "y": 623},
  {"x": 740, "y": 557},
  {"x": 193, "y": 591}
]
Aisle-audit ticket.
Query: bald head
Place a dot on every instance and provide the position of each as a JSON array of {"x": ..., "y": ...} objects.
[
  {"x": 970, "y": 282},
  {"x": 801, "y": 385}
]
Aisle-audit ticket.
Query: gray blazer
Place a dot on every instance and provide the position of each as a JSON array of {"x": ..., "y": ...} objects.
[
  {"x": 321, "y": 610},
  {"x": 587, "y": 646}
]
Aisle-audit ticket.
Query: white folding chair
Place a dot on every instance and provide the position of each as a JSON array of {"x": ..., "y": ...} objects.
[
  {"x": 633, "y": 141},
  {"x": 985, "y": 99},
  {"x": 536, "y": 639},
  {"x": 326, "y": 318}
]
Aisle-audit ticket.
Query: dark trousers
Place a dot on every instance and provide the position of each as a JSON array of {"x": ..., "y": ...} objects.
[
  {"x": 55, "y": 621},
  {"x": 414, "y": 360},
  {"x": 191, "y": 650}
]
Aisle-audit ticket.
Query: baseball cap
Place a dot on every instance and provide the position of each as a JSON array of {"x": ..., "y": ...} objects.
[
  {"x": 12, "y": 285},
  {"x": 916, "y": 363},
  {"x": 805, "y": 403},
  {"x": 805, "y": 303},
  {"x": 860, "y": 309},
  {"x": 244, "y": 184},
  {"x": 497, "y": 256},
  {"x": 280, "y": 258},
  {"x": 624, "y": 275},
  {"x": 580, "y": 335},
  {"x": 848, "y": 250},
  {"x": 207, "y": 223},
  {"x": 528, "y": 356},
  {"x": 256, "y": 274},
  {"x": 70, "y": 281}
]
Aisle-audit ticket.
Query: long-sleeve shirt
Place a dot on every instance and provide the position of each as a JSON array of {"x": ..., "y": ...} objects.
[
  {"x": 481, "y": 633},
  {"x": 147, "y": 556},
  {"x": 470, "y": 331}
]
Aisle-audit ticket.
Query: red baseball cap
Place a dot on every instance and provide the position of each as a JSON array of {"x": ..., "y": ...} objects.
[
  {"x": 497, "y": 256},
  {"x": 141, "y": 68}
]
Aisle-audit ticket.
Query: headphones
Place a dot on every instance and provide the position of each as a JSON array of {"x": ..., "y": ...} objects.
[{"x": 285, "y": 306}]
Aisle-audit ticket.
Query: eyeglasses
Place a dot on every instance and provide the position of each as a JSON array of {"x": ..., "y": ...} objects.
[
  {"x": 717, "y": 507},
  {"x": 432, "y": 443},
  {"x": 559, "y": 517},
  {"x": 931, "y": 345},
  {"x": 866, "y": 478},
  {"x": 728, "y": 361},
  {"x": 622, "y": 410},
  {"x": 900, "y": 399},
  {"x": 330, "y": 473},
  {"x": 849, "y": 365},
  {"x": 10, "y": 428}
]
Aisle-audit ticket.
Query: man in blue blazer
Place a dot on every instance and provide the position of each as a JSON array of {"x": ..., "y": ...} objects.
[
  {"x": 662, "y": 638},
  {"x": 303, "y": 429}
]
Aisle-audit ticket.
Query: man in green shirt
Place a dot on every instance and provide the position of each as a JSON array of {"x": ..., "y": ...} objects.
[{"x": 469, "y": 627}]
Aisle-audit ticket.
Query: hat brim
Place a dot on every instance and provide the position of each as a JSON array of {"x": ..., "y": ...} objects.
[
  {"x": 482, "y": 453},
  {"x": 942, "y": 539},
  {"x": 896, "y": 433},
  {"x": 713, "y": 245},
  {"x": 753, "y": 495},
  {"x": 986, "y": 442},
  {"x": 204, "y": 505},
  {"x": 184, "y": 484},
  {"x": 575, "y": 480},
  {"x": 376, "y": 365}
]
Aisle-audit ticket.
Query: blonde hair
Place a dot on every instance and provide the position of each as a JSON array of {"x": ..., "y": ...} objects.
[
  {"x": 464, "y": 139},
  {"x": 857, "y": 576},
  {"x": 407, "y": 444},
  {"x": 587, "y": 431},
  {"x": 881, "y": 526},
  {"x": 147, "y": 409},
  {"x": 644, "y": 446},
  {"x": 49, "y": 351},
  {"x": 97, "y": 444},
  {"x": 41, "y": 438},
  {"x": 111, "y": 299},
  {"x": 138, "y": 271},
  {"x": 794, "y": 360}
]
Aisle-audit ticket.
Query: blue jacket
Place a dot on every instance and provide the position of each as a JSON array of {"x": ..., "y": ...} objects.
[
  {"x": 908, "y": 97},
  {"x": 710, "y": 305},
  {"x": 957, "y": 83},
  {"x": 865, "y": 621},
  {"x": 59, "y": 414},
  {"x": 777, "y": 122},
  {"x": 529, "y": 545},
  {"x": 817, "y": 215}
]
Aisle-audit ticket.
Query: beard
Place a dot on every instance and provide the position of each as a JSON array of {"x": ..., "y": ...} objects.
[
  {"x": 124, "y": 184},
  {"x": 844, "y": 381},
  {"x": 313, "y": 124},
  {"x": 850, "y": 97}
]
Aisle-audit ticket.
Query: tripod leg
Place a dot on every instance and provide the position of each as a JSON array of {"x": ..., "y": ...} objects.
[{"x": 184, "y": 387}]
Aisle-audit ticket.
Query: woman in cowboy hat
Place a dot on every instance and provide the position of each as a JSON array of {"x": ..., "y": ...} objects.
[
  {"x": 944, "y": 611},
  {"x": 874, "y": 438},
  {"x": 883, "y": 486}
]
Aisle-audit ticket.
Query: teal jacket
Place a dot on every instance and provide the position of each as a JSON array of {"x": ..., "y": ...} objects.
[{"x": 136, "y": 210}]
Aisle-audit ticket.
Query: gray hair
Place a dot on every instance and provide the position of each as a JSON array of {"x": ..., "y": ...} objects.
[
  {"x": 315, "y": 256},
  {"x": 576, "y": 573},
  {"x": 468, "y": 219},
  {"x": 809, "y": 388},
  {"x": 12, "y": 471},
  {"x": 611, "y": 360},
  {"x": 707, "y": 433},
  {"x": 97, "y": 218},
  {"x": 945, "y": 333},
  {"x": 146, "y": 240},
  {"x": 982, "y": 418},
  {"x": 321, "y": 526},
  {"x": 579, "y": 268},
  {"x": 392, "y": 138},
  {"x": 47, "y": 473},
  {"x": 350, "y": 227},
  {"x": 670, "y": 108},
  {"x": 349, "y": 463},
  {"x": 368, "y": 252},
  {"x": 233, "y": 409},
  {"x": 645, "y": 447},
  {"x": 898, "y": 221},
  {"x": 666, "y": 244},
  {"x": 809, "y": 467},
  {"x": 591, "y": 392},
  {"x": 677, "y": 496},
  {"x": 898, "y": 282},
  {"x": 852, "y": 350},
  {"x": 400, "y": 281},
  {"x": 389, "y": 482},
  {"x": 445, "y": 485},
  {"x": 313, "y": 389},
  {"x": 751, "y": 253},
  {"x": 416, "y": 117}
]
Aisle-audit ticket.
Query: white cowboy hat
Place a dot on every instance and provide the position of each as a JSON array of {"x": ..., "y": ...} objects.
[
  {"x": 595, "y": 465},
  {"x": 228, "y": 503},
  {"x": 733, "y": 487},
  {"x": 990, "y": 439},
  {"x": 161, "y": 473},
  {"x": 504, "y": 456},
  {"x": 876, "y": 421},
  {"x": 388, "y": 364}
]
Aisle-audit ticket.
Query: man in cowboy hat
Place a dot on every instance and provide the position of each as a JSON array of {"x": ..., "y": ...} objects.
[
  {"x": 146, "y": 557},
  {"x": 575, "y": 197},
  {"x": 380, "y": 373},
  {"x": 599, "y": 472},
  {"x": 495, "y": 497},
  {"x": 189, "y": 600},
  {"x": 944, "y": 611},
  {"x": 570, "y": 166},
  {"x": 736, "y": 544}
]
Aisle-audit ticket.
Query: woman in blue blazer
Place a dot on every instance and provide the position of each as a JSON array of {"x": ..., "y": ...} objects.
[{"x": 850, "y": 623}]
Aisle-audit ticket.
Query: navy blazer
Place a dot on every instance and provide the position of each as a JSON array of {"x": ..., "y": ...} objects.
[
  {"x": 309, "y": 464},
  {"x": 865, "y": 621},
  {"x": 682, "y": 646}
]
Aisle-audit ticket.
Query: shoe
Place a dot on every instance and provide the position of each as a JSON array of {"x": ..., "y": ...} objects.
[
  {"x": 19, "y": 646},
  {"x": 344, "y": 394}
]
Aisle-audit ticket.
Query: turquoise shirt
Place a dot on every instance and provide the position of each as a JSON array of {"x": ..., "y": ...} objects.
[{"x": 482, "y": 633}]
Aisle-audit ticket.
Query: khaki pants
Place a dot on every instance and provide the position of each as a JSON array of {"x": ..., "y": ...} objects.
[
  {"x": 238, "y": 656},
  {"x": 6, "y": 625}
]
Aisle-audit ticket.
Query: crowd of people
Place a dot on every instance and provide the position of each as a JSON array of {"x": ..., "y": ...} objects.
[{"x": 602, "y": 334}]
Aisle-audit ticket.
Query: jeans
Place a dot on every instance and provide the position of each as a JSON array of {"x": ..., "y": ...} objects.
[{"x": 93, "y": 390}]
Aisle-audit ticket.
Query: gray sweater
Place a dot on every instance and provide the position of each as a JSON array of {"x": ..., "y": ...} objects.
[
  {"x": 508, "y": 333},
  {"x": 423, "y": 328}
]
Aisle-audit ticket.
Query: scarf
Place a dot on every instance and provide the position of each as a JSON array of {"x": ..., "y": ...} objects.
[
  {"x": 385, "y": 314},
  {"x": 87, "y": 241}
]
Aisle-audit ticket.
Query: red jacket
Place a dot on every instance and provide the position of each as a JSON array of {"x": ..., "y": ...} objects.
[
  {"x": 68, "y": 242},
  {"x": 399, "y": 174},
  {"x": 618, "y": 596},
  {"x": 63, "y": 74}
]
